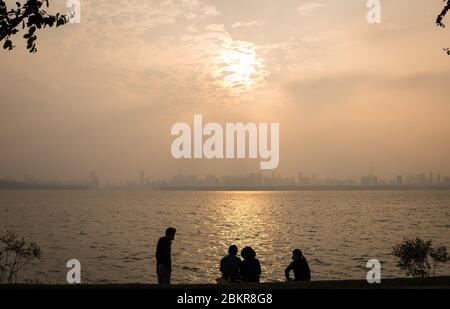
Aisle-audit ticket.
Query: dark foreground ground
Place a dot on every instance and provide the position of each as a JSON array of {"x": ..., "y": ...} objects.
[{"x": 401, "y": 283}]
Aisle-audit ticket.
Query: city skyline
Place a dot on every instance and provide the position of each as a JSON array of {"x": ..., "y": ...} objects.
[{"x": 256, "y": 179}]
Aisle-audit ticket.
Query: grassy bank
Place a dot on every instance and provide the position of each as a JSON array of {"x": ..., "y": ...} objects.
[{"x": 403, "y": 283}]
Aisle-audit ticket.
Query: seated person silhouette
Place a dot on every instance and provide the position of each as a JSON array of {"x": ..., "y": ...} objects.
[
  {"x": 250, "y": 266},
  {"x": 300, "y": 267},
  {"x": 229, "y": 265}
]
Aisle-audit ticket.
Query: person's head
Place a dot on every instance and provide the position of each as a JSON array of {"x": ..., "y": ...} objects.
[
  {"x": 297, "y": 254},
  {"x": 170, "y": 233},
  {"x": 233, "y": 250},
  {"x": 248, "y": 253}
]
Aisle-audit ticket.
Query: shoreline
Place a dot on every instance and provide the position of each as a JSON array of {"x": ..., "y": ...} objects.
[
  {"x": 238, "y": 189},
  {"x": 440, "y": 282}
]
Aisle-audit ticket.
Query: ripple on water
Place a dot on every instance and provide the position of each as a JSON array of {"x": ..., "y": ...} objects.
[{"x": 115, "y": 239}]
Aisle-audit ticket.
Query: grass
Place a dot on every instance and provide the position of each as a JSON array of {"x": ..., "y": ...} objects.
[{"x": 402, "y": 283}]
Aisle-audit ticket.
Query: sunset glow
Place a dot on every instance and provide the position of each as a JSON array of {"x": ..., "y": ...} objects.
[{"x": 239, "y": 68}]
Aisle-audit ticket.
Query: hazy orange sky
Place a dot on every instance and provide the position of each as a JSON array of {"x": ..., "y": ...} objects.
[{"x": 102, "y": 95}]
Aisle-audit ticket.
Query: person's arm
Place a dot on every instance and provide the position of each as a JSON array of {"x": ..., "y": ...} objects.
[
  {"x": 242, "y": 271},
  {"x": 221, "y": 266},
  {"x": 287, "y": 270},
  {"x": 259, "y": 268},
  {"x": 158, "y": 251},
  {"x": 162, "y": 253},
  {"x": 239, "y": 269},
  {"x": 308, "y": 272},
  {"x": 167, "y": 257}
]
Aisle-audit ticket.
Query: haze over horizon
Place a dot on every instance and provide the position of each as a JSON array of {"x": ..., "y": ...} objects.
[{"x": 349, "y": 96}]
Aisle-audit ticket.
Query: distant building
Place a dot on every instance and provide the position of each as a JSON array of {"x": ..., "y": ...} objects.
[
  {"x": 300, "y": 179},
  {"x": 94, "y": 182},
  {"x": 209, "y": 181},
  {"x": 141, "y": 177},
  {"x": 369, "y": 180},
  {"x": 184, "y": 181}
]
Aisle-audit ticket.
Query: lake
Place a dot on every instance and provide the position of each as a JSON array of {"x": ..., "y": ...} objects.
[{"x": 114, "y": 233}]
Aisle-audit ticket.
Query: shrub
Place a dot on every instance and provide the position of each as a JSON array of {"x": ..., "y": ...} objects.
[
  {"x": 15, "y": 254},
  {"x": 414, "y": 257}
]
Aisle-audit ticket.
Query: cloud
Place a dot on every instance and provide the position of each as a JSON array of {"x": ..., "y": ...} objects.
[
  {"x": 137, "y": 48},
  {"x": 337, "y": 89},
  {"x": 327, "y": 90},
  {"x": 229, "y": 66},
  {"x": 216, "y": 27},
  {"x": 308, "y": 8},
  {"x": 104, "y": 20},
  {"x": 254, "y": 23}
]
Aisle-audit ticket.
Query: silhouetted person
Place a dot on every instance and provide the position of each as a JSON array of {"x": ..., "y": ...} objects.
[
  {"x": 250, "y": 267},
  {"x": 230, "y": 265},
  {"x": 300, "y": 267},
  {"x": 163, "y": 256}
]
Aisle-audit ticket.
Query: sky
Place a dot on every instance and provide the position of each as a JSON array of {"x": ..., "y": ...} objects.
[{"x": 350, "y": 97}]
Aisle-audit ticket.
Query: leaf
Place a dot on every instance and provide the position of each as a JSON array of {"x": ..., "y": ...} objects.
[{"x": 7, "y": 44}]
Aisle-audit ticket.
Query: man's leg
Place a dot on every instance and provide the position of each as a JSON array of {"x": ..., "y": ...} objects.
[
  {"x": 163, "y": 274},
  {"x": 168, "y": 274},
  {"x": 159, "y": 274}
]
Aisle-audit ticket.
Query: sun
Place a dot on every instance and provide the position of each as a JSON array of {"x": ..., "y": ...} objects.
[{"x": 238, "y": 67}]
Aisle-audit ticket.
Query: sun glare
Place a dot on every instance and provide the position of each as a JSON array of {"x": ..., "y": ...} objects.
[{"x": 238, "y": 67}]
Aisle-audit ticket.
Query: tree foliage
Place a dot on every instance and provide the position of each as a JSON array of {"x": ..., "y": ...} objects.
[
  {"x": 414, "y": 257},
  {"x": 439, "y": 255},
  {"x": 444, "y": 12},
  {"x": 31, "y": 16},
  {"x": 15, "y": 254},
  {"x": 440, "y": 20}
]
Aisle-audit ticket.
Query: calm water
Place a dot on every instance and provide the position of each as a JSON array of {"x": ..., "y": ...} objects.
[{"x": 114, "y": 234}]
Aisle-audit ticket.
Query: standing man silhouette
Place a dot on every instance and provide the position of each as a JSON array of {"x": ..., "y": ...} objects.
[{"x": 163, "y": 256}]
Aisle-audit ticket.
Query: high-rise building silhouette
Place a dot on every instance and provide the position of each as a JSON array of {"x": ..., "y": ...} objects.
[
  {"x": 141, "y": 177},
  {"x": 95, "y": 183}
]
